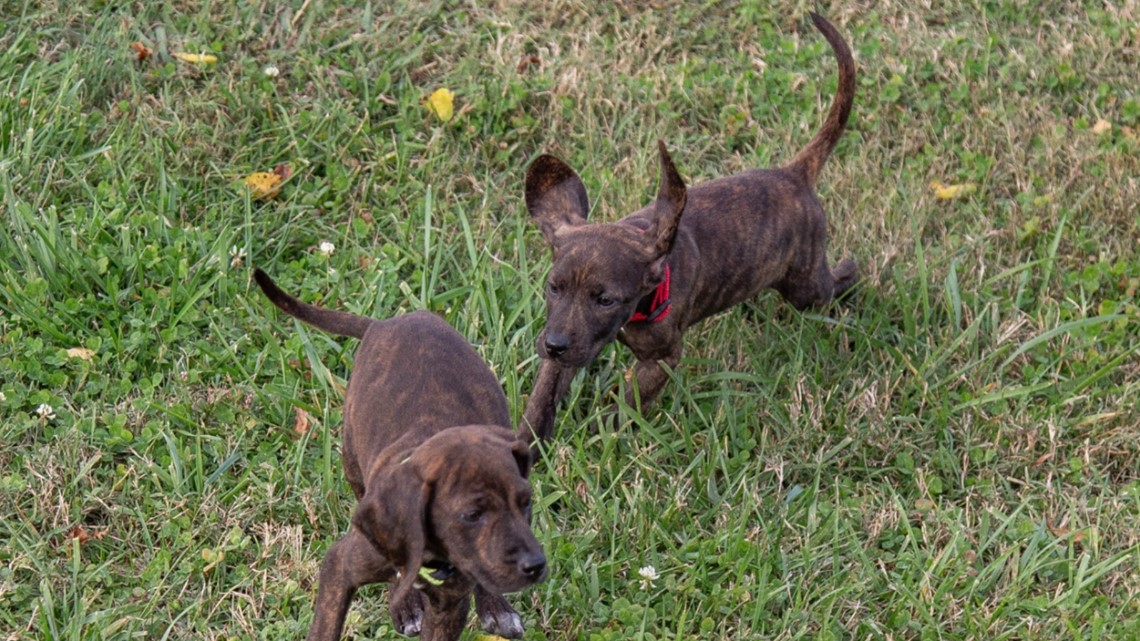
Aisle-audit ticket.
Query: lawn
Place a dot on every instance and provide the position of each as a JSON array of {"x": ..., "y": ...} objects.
[{"x": 954, "y": 454}]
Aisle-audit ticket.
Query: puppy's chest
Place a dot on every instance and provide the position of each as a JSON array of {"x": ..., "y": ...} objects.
[{"x": 647, "y": 341}]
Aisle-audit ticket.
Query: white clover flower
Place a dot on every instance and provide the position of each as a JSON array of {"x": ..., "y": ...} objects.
[
  {"x": 272, "y": 71},
  {"x": 45, "y": 412},
  {"x": 326, "y": 247},
  {"x": 648, "y": 576},
  {"x": 2, "y": 397},
  {"x": 237, "y": 255}
]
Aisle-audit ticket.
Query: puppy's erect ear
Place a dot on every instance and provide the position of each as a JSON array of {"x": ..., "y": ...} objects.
[
  {"x": 671, "y": 197},
  {"x": 393, "y": 516},
  {"x": 555, "y": 196},
  {"x": 521, "y": 451}
]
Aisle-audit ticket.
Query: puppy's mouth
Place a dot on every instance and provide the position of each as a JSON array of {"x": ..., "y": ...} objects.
[
  {"x": 515, "y": 582},
  {"x": 511, "y": 576},
  {"x": 571, "y": 356},
  {"x": 572, "y": 360}
]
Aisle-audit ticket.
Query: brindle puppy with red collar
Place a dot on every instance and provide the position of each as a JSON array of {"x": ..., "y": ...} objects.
[
  {"x": 695, "y": 252},
  {"x": 441, "y": 480}
]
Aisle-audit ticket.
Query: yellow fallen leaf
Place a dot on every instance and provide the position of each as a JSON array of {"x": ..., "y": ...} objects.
[
  {"x": 1102, "y": 127},
  {"x": 441, "y": 103},
  {"x": 488, "y": 637},
  {"x": 264, "y": 185},
  {"x": 212, "y": 558},
  {"x": 925, "y": 505},
  {"x": 80, "y": 352},
  {"x": 196, "y": 58},
  {"x": 951, "y": 192}
]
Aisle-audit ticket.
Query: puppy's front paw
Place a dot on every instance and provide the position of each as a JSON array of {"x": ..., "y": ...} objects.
[
  {"x": 497, "y": 616},
  {"x": 408, "y": 614}
]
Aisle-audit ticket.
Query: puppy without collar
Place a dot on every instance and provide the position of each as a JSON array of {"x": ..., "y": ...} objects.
[{"x": 440, "y": 479}]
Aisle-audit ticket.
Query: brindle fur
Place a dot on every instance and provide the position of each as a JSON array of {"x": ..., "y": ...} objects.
[
  {"x": 762, "y": 228},
  {"x": 438, "y": 476}
]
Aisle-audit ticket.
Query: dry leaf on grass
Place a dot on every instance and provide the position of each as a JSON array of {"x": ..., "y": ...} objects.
[
  {"x": 952, "y": 192},
  {"x": 442, "y": 103},
  {"x": 81, "y": 352},
  {"x": 263, "y": 185},
  {"x": 83, "y": 535},
  {"x": 301, "y": 421},
  {"x": 142, "y": 52},
  {"x": 196, "y": 58},
  {"x": 528, "y": 61}
]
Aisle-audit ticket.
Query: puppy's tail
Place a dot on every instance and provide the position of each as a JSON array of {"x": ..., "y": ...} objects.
[
  {"x": 809, "y": 161},
  {"x": 342, "y": 323}
]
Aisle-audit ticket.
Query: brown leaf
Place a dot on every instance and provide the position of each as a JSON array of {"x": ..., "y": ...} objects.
[
  {"x": 142, "y": 52},
  {"x": 79, "y": 533},
  {"x": 301, "y": 421},
  {"x": 528, "y": 61},
  {"x": 1059, "y": 531}
]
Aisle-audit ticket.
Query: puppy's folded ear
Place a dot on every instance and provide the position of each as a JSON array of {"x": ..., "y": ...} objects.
[
  {"x": 671, "y": 198},
  {"x": 555, "y": 196},
  {"x": 393, "y": 516}
]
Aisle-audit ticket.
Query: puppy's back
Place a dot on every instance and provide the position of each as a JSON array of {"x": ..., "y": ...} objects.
[{"x": 415, "y": 372}]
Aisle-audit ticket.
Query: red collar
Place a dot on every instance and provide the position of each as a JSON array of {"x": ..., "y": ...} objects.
[{"x": 654, "y": 307}]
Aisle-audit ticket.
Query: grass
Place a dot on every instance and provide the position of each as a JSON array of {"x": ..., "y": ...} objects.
[{"x": 953, "y": 455}]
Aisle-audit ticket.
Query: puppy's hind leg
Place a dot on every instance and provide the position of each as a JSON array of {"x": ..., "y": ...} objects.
[
  {"x": 844, "y": 276},
  {"x": 817, "y": 285}
]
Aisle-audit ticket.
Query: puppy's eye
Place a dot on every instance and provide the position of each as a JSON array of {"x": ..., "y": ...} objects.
[
  {"x": 472, "y": 516},
  {"x": 553, "y": 290},
  {"x": 605, "y": 301}
]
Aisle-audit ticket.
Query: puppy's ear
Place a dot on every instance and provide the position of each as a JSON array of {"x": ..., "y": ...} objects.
[
  {"x": 671, "y": 197},
  {"x": 555, "y": 196},
  {"x": 393, "y": 516},
  {"x": 521, "y": 451}
]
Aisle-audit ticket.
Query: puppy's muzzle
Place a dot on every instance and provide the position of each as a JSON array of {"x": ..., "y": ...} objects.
[
  {"x": 533, "y": 566},
  {"x": 555, "y": 344}
]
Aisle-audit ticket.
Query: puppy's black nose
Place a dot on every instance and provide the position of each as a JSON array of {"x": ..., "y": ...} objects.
[
  {"x": 533, "y": 565},
  {"x": 556, "y": 344}
]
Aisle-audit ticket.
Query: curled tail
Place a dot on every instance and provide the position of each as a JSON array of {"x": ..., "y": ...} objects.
[
  {"x": 342, "y": 323},
  {"x": 809, "y": 161}
]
